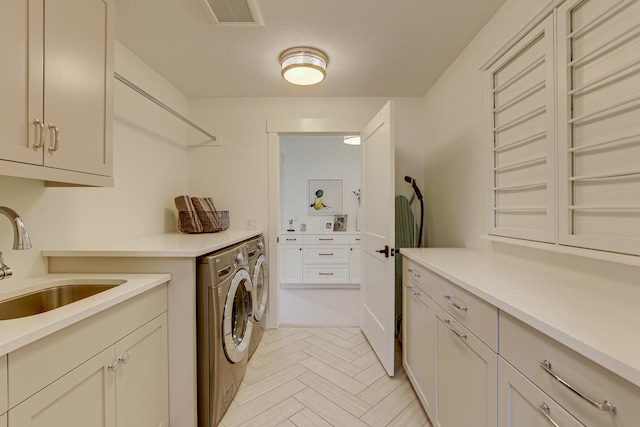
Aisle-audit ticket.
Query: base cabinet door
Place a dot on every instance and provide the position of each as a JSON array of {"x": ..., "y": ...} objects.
[
  {"x": 466, "y": 376},
  {"x": 291, "y": 264},
  {"x": 3, "y": 420},
  {"x": 83, "y": 397},
  {"x": 142, "y": 394},
  {"x": 522, "y": 404}
]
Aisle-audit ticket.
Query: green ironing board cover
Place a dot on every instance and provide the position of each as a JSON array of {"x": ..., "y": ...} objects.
[{"x": 405, "y": 227}]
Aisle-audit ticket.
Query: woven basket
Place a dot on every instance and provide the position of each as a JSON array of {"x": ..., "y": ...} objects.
[{"x": 185, "y": 219}]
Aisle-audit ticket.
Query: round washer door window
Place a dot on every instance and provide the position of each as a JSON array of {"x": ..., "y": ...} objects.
[
  {"x": 260, "y": 287},
  {"x": 237, "y": 322}
]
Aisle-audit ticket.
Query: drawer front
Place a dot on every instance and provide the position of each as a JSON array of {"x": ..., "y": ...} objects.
[
  {"x": 325, "y": 254},
  {"x": 290, "y": 239},
  {"x": 355, "y": 239},
  {"x": 326, "y": 239},
  {"x": 526, "y": 349},
  {"x": 521, "y": 403},
  {"x": 325, "y": 274},
  {"x": 417, "y": 275},
  {"x": 474, "y": 313}
]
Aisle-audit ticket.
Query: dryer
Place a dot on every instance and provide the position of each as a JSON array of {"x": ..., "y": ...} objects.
[
  {"x": 258, "y": 269},
  {"x": 224, "y": 307}
]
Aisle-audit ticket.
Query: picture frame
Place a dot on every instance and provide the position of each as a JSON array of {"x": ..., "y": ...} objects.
[
  {"x": 328, "y": 226},
  {"x": 325, "y": 196},
  {"x": 340, "y": 222}
]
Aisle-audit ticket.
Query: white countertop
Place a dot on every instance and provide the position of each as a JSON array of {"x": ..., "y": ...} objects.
[
  {"x": 161, "y": 245},
  {"x": 598, "y": 320},
  {"x": 16, "y": 333}
]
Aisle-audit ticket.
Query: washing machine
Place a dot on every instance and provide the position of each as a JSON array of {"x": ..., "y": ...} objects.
[
  {"x": 260, "y": 280},
  {"x": 224, "y": 309}
]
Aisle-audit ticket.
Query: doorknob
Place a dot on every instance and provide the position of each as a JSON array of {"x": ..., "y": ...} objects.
[{"x": 384, "y": 251}]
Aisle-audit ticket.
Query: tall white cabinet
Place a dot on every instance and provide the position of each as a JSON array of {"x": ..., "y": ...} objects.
[{"x": 57, "y": 104}]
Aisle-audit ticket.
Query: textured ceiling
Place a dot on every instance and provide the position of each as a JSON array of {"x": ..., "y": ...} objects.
[{"x": 376, "y": 47}]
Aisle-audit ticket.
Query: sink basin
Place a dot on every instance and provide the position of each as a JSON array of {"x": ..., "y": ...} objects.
[{"x": 53, "y": 297}]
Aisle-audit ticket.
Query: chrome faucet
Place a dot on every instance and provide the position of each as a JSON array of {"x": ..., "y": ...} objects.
[{"x": 20, "y": 239}]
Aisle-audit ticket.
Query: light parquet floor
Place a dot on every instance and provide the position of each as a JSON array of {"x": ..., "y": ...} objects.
[{"x": 322, "y": 377}]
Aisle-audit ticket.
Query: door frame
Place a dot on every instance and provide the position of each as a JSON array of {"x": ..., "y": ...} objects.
[{"x": 275, "y": 129}]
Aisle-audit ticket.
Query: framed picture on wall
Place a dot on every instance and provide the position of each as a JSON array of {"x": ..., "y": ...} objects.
[
  {"x": 325, "y": 197},
  {"x": 340, "y": 223}
]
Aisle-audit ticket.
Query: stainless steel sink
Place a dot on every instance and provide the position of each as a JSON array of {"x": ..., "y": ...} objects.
[{"x": 53, "y": 297}]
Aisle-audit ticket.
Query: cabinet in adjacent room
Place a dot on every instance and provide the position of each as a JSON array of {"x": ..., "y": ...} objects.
[
  {"x": 57, "y": 104},
  {"x": 290, "y": 259}
]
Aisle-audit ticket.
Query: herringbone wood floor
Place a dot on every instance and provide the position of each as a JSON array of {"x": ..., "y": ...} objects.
[{"x": 319, "y": 377}]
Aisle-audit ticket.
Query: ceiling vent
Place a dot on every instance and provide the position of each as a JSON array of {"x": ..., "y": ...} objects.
[{"x": 233, "y": 12}]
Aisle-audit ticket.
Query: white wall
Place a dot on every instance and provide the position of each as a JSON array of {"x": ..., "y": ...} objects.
[
  {"x": 454, "y": 166},
  {"x": 316, "y": 157},
  {"x": 150, "y": 169},
  {"x": 236, "y": 173}
]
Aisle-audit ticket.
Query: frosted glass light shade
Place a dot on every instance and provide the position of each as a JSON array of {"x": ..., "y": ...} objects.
[{"x": 303, "y": 66}]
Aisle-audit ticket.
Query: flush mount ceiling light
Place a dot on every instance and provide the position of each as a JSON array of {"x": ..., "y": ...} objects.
[
  {"x": 303, "y": 66},
  {"x": 352, "y": 139}
]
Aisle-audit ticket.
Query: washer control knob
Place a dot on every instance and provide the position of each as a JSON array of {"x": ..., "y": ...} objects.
[
  {"x": 240, "y": 258},
  {"x": 260, "y": 245}
]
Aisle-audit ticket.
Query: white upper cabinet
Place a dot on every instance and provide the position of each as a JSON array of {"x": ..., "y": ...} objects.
[
  {"x": 521, "y": 173},
  {"x": 57, "y": 105},
  {"x": 599, "y": 124}
]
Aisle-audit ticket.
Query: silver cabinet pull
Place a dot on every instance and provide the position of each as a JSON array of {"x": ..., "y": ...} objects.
[
  {"x": 292, "y": 240},
  {"x": 606, "y": 406},
  {"x": 124, "y": 358},
  {"x": 455, "y": 304},
  {"x": 325, "y": 274},
  {"x": 56, "y": 138},
  {"x": 331, "y": 254},
  {"x": 413, "y": 273},
  {"x": 40, "y": 127},
  {"x": 546, "y": 411},
  {"x": 447, "y": 322},
  {"x": 114, "y": 366},
  {"x": 413, "y": 291},
  {"x": 326, "y": 239}
]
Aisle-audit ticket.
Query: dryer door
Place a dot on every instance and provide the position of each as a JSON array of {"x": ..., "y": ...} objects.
[
  {"x": 260, "y": 287},
  {"x": 237, "y": 322}
]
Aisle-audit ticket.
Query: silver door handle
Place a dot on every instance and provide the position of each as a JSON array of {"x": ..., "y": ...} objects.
[
  {"x": 606, "y": 406},
  {"x": 546, "y": 411},
  {"x": 453, "y": 303},
  {"x": 447, "y": 322},
  {"x": 56, "y": 138},
  {"x": 40, "y": 127}
]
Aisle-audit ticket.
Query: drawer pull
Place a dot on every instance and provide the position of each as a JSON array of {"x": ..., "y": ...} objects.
[
  {"x": 413, "y": 291},
  {"x": 546, "y": 411},
  {"x": 413, "y": 273},
  {"x": 326, "y": 254},
  {"x": 447, "y": 322},
  {"x": 331, "y": 239},
  {"x": 292, "y": 240},
  {"x": 325, "y": 274},
  {"x": 455, "y": 304},
  {"x": 606, "y": 406}
]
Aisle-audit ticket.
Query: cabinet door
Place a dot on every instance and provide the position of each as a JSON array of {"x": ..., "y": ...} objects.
[
  {"x": 291, "y": 264},
  {"x": 355, "y": 255},
  {"x": 466, "y": 376},
  {"x": 21, "y": 82},
  {"x": 142, "y": 377},
  {"x": 418, "y": 344},
  {"x": 78, "y": 82},
  {"x": 83, "y": 397},
  {"x": 521, "y": 403}
]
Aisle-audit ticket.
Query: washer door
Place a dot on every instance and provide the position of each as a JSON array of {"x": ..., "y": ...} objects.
[
  {"x": 260, "y": 287},
  {"x": 237, "y": 322}
]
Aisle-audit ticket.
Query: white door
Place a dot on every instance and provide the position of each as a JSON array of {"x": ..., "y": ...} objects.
[{"x": 377, "y": 294}]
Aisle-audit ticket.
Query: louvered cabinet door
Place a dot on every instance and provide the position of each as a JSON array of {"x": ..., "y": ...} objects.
[
  {"x": 521, "y": 134},
  {"x": 599, "y": 124}
]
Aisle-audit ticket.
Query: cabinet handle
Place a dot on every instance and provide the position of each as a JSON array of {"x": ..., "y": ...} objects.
[
  {"x": 124, "y": 358},
  {"x": 413, "y": 291},
  {"x": 325, "y": 274},
  {"x": 326, "y": 254},
  {"x": 414, "y": 274},
  {"x": 292, "y": 240},
  {"x": 326, "y": 239},
  {"x": 40, "y": 127},
  {"x": 606, "y": 406},
  {"x": 114, "y": 366},
  {"x": 447, "y": 322},
  {"x": 56, "y": 139},
  {"x": 546, "y": 411},
  {"x": 453, "y": 303}
]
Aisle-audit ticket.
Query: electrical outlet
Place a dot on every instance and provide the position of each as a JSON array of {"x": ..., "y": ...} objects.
[{"x": 252, "y": 223}]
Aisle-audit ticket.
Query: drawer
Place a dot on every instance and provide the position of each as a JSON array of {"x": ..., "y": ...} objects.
[
  {"x": 290, "y": 239},
  {"x": 474, "y": 313},
  {"x": 325, "y": 274},
  {"x": 325, "y": 254},
  {"x": 417, "y": 275},
  {"x": 325, "y": 239},
  {"x": 526, "y": 349},
  {"x": 354, "y": 239}
]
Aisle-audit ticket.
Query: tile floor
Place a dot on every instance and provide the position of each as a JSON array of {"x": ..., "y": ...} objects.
[{"x": 317, "y": 377}]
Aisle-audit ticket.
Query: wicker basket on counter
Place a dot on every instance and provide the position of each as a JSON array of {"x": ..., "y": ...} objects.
[{"x": 193, "y": 222}]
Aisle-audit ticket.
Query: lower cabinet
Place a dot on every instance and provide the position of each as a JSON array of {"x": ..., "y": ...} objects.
[
  {"x": 466, "y": 376},
  {"x": 124, "y": 384},
  {"x": 521, "y": 403}
]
